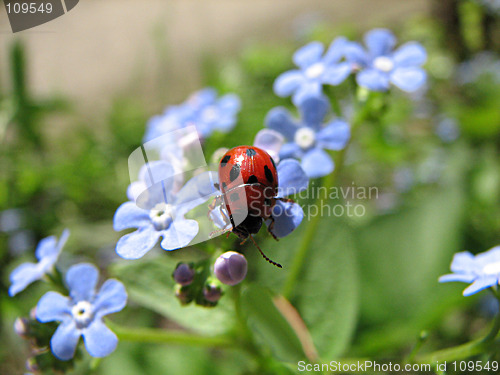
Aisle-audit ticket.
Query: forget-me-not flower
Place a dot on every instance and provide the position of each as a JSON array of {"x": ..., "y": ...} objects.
[
  {"x": 308, "y": 137},
  {"x": 158, "y": 212},
  {"x": 202, "y": 109},
  {"x": 379, "y": 65},
  {"x": 47, "y": 252},
  {"x": 315, "y": 70},
  {"x": 81, "y": 313},
  {"x": 482, "y": 270}
]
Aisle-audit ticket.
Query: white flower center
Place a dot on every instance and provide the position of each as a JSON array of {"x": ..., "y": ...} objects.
[
  {"x": 492, "y": 268},
  {"x": 209, "y": 114},
  {"x": 82, "y": 313},
  {"x": 315, "y": 70},
  {"x": 383, "y": 63},
  {"x": 305, "y": 137},
  {"x": 162, "y": 215}
]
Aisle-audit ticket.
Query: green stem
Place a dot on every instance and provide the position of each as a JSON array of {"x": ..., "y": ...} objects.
[
  {"x": 496, "y": 323},
  {"x": 466, "y": 350},
  {"x": 301, "y": 254},
  {"x": 152, "y": 335}
]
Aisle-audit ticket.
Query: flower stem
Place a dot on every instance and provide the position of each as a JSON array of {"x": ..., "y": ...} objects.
[
  {"x": 152, "y": 335},
  {"x": 310, "y": 231},
  {"x": 496, "y": 322}
]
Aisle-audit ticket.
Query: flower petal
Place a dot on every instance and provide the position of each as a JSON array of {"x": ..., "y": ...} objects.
[
  {"x": 480, "y": 284},
  {"x": 308, "y": 55},
  {"x": 129, "y": 215},
  {"x": 280, "y": 120},
  {"x": 336, "y": 74},
  {"x": 464, "y": 278},
  {"x": 313, "y": 110},
  {"x": 229, "y": 103},
  {"x": 292, "y": 178},
  {"x": 81, "y": 280},
  {"x": 373, "y": 80},
  {"x": 287, "y": 216},
  {"x": 334, "y": 136},
  {"x": 317, "y": 163},
  {"x": 356, "y": 54},
  {"x": 408, "y": 79},
  {"x": 111, "y": 298},
  {"x": 196, "y": 191},
  {"x": 336, "y": 50},
  {"x": 53, "y": 307},
  {"x": 180, "y": 233},
  {"x": 379, "y": 41},
  {"x": 134, "y": 245},
  {"x": 308, "y": 89},
  {"x": 22, "y": 276},
  {"x": 65, "y": 340},
  {"x": 270, "y": 141},
  {"x": 47, "y": 246},
  {"x": 410, "y": 54},
  {"x": 288, "y": 82},
  {"x": 463, "y": 262},
  {"x": 290, "y": 150},
  {"x": 99, "y": 340}
]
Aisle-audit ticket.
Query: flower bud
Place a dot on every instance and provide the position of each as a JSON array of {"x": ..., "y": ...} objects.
[
  {"x": 212, "y": 293},
  {"x": 183, "y": 294},
  {"x": 231, "y": 268},
  {"x": 183, "y": 274},
  {"x": 21, "y": 327}
]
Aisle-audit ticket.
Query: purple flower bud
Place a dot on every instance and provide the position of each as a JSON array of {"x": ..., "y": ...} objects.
[
  {"x": 183, "y": 274},
  {"x": 212, "y": 293},
  {"x": 231, "y": 268}
]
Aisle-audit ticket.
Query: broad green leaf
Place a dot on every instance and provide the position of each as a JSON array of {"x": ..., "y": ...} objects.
[
  {"x": 149, "y": 283},
  {"x": 326, "y": 292},
  {"x": 269, "y": 325},
  {"x": 401, "y": 255}
]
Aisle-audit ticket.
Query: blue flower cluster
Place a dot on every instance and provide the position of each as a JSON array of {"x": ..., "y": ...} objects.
[
  {"x": 376, "y": 67},
  {"x": 202, "y": 109}
]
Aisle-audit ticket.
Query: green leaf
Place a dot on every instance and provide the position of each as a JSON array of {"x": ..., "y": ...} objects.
[
  {"x": 326, "y": 293},
  {"x": 149, "y": 283},
  {"x": 270, "y": 326},
  {"x": 401, "y": 255}
]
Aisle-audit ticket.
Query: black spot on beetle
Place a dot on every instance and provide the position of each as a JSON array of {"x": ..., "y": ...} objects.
[
  {"x": 235, "y": 172},
  {"x": 269, "y": 174},
  {"x": 224, "y": 186},
  {"x": 251, "y": 152},
  {"x": 274, "y": 164},
  {"x": 234, "y": 197},
  {"x": 252, "y": 179},
  {"x": 224, "y": 160}
]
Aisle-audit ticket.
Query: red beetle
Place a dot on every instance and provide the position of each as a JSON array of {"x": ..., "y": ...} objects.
[{"x": 248, "y": 180}]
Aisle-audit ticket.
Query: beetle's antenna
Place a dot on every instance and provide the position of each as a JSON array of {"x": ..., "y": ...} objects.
[{"x": 264, "y": 255}]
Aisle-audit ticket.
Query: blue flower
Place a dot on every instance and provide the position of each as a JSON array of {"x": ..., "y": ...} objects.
[
  {"x": 379, "y": 65},
  {"x": 47, "y": 252},
  {"x": 81, "y": 313},
  {"x": 315, "y": 70},
  {"x": 482, "y": 270},
  {"x": 287, "y": 215},
  {"x": 159, "y": 212},
  {"x": 202, "y": 109},
  {"x": 308, "y": 137}
]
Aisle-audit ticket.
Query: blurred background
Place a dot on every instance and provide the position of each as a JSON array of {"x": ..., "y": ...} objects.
[{"x": 76, "y": 94}]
